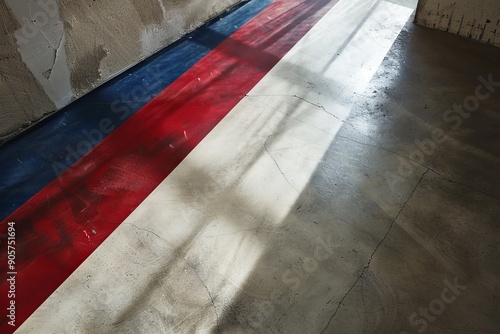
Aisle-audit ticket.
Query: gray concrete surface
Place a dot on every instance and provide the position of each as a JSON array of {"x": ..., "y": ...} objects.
[
  {"x": 477, "y": 20},
  {"x": 405, "y": 231},
  {"x": 54, "y": 51}
]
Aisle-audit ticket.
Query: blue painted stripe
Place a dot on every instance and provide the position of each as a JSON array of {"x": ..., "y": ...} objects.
[{"x": 33, "y": 159}]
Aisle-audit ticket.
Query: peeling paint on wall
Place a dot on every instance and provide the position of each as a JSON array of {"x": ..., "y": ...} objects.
[{"x": 478, "y": 20}]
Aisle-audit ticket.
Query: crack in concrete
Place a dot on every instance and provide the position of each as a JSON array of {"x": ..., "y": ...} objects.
[
  {"x": 209, "y": 294},
  {"x": 277, "y": 165},
  {"x": 56, "y": 56},
  {"x": 331, "y": 114},
  {"x": 378, "y": 145},
  {"x": 315, "y": 105},
  {"x": 286, "y": 115},
  {"x": 464, "y": 185},
  {"x": 311, "y": 103},
  {"x": 425, "y": 166},
  {"x": 373, "y": 253}
]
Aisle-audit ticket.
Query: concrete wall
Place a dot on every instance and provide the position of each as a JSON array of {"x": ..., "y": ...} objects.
[
  {"x": 476, "y": 19},
  {"x": 54, "y": 51}
]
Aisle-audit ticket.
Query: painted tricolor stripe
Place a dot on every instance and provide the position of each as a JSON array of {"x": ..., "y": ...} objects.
[
  {"x": 67, "y": 220},
  {"x": 34, "y": 158}
]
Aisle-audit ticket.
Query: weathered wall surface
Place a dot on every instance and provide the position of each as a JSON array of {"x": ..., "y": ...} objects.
[
  {"x": 476, "y": 19},
  {"x": 54, "y": 51},
  {"x": 22, "y": 98}
]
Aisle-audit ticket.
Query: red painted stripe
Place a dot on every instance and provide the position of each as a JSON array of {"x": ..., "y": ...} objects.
[{"x": 63, "y": 224}]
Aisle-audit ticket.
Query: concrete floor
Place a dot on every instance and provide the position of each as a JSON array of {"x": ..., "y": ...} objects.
[{"x": 351, "y": 200}]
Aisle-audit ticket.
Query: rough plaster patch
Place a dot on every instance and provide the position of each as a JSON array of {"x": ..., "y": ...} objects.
[
  {"x": 130, "y": 30},
  {"x": 157, "y": 35},
  {"x": 153, "y": 13},
  {"x": 41, "y": 45},
  {"x": 84, "y": 73},
  {"x": 103, "y": 39},
  {"x": 180, "y": 17}
]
